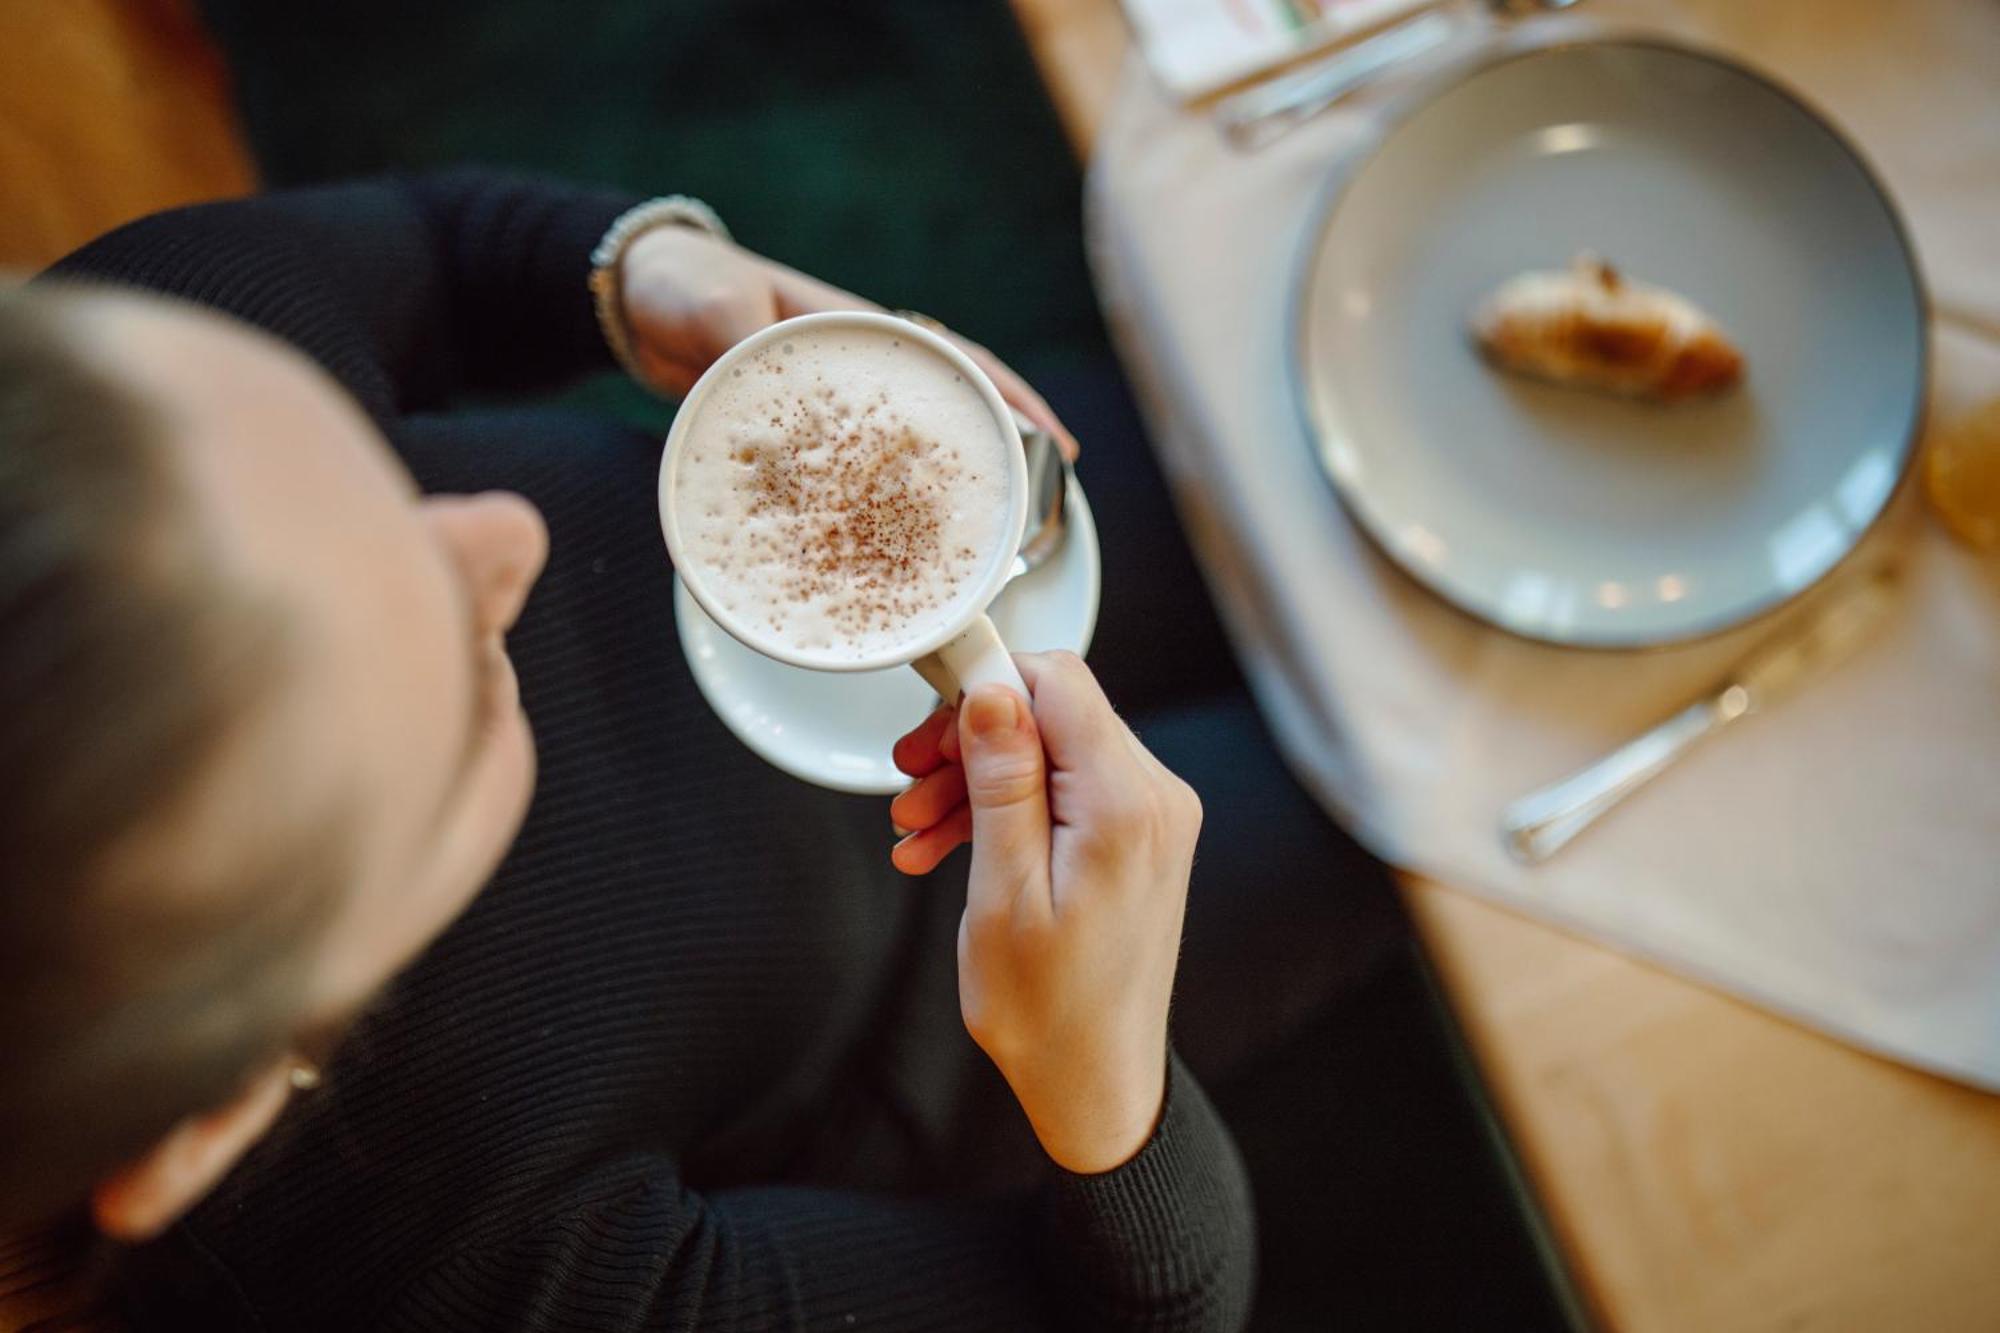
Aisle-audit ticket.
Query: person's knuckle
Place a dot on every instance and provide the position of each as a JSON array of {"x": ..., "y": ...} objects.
[
  {"x": 1184, "y": 802},
  {"x": 999, "y": 1042},
  {"x": 989, "y": 1023},
  {"x": 981, "y": 1024},
  {"x": 1005, "y": 779},
  {"x": 1166, "y": 818},
  {"x": 717, "y": 301},
  {"x": 1067, "y": 662}
]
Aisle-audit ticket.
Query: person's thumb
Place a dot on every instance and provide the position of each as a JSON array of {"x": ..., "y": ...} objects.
[{"x": 1006, "y": 784}]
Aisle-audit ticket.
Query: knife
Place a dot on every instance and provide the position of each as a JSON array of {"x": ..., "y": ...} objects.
[
  {"x": 1540, "y": 824},
  {"x": 1253, "y": 118}
]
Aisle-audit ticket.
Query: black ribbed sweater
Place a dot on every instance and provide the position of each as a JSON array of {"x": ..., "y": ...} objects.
[{"x": 692, "y": 1060}]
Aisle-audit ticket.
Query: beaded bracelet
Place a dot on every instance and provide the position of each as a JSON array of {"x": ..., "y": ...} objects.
[{"x": 606, "y": 289}]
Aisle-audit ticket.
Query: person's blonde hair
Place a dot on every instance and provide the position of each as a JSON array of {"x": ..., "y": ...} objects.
[{"x": 128, "y": 999}]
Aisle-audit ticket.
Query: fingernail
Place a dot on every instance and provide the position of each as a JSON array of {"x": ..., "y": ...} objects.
[{"x": 992, "y": 712}]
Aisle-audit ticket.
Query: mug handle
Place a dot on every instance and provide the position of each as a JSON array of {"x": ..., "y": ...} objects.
[{"x": 976, "y": 657}]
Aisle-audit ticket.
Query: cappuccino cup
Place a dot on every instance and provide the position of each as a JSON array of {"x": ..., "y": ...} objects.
[{"x": 846, "y": 492}]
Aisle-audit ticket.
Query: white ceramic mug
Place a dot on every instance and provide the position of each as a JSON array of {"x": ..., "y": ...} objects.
[{"x": 953, "y": 657}]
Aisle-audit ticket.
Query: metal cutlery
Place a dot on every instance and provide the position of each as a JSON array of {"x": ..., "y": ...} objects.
[
  {"x": 1540, "y": 824},
  {"x": 1048, "y": 490},
  {"x": 1259, "y": 115}
]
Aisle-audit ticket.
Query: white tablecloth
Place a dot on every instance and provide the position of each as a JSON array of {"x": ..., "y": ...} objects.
[{"x": 1836, "y": 859}]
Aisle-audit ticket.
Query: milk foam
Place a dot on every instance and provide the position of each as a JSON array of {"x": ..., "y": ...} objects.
[{"x": 844, "y": 492}]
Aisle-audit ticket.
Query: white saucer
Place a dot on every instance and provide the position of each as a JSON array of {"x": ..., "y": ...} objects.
[{"x": 834, "y": 728}]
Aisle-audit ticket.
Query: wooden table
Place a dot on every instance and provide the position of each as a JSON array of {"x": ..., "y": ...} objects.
[
  {"x": 109, "y": 109},
  {"x": 1702, "y": 1164}
]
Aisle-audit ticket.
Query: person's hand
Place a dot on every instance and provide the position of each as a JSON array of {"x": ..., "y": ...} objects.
[
  {"x": 1081, "y": 847},
  {"x": 689, "y": 297}
]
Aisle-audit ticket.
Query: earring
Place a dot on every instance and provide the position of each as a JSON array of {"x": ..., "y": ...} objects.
[{"x": 303, "y": 1076}]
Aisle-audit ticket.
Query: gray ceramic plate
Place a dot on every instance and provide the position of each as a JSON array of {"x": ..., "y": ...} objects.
[{"x": 1586, "y": 520}]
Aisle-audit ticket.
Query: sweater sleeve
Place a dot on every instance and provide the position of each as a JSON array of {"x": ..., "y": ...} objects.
[
  {"x": 1164, "y": 1242},
  {"x": 409, "y": 290}
]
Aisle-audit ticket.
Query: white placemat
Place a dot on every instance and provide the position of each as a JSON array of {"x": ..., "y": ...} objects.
[{"x": 1837, "y": 859}]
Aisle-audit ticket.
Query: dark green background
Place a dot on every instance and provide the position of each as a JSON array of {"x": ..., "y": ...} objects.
[{"x": 904, "y": 150}]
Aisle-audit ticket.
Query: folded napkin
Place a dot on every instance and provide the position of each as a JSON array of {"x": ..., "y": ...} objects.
[{"x": 1836, "y": 859}]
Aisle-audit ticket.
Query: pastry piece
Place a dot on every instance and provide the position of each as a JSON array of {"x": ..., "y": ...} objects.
[
  {"x": 1592, "y": 328},
  {"x": 1962, "y": 476}
]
